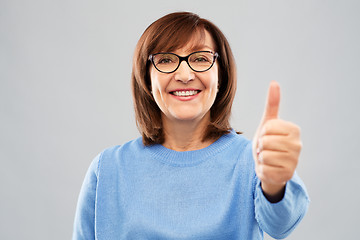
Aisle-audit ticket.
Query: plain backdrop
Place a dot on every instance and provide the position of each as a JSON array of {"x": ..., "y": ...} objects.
[{"x": 65, "y": 95}]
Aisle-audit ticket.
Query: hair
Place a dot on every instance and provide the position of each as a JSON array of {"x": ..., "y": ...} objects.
[{"x": 171, "y": 32}]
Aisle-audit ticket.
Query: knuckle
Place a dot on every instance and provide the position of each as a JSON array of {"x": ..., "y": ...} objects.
[
  {"x": 295, "y": 129},
  {"x": 298, "y": 145}
]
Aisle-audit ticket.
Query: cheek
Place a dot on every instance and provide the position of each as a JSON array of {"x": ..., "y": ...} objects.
[
  {"x": 153, "y": 79},
  {"x": 157, "y": 86},
  {"x": 213, "y": 81},
  {"x": 158, "y": 82}
]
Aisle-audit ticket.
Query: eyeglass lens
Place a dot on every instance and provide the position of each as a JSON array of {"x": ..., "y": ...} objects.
[{"x": 169, "y": 62}]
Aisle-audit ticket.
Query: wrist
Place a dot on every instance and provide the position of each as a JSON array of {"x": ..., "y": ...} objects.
[{"x": 273, "y": 192}]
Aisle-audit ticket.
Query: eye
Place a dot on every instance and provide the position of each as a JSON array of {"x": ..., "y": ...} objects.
[
  {"x": 201, "y": 58},
  {"x": 165, "y": 59}
]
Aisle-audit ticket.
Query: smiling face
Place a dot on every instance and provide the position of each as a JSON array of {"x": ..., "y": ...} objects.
[{"x": 186, "y": 95}]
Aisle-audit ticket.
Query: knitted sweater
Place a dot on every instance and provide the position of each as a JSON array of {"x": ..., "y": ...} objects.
[{"x": 151, "y": 192}]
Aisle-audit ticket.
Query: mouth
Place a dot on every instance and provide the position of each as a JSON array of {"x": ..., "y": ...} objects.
[{"x": 185, "y": 93}]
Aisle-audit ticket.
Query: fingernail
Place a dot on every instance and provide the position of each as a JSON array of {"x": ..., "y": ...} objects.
[{"x": 257, "y": 151}]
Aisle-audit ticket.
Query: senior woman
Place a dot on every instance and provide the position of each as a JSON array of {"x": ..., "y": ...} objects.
[{"x": 190, "y": 175}]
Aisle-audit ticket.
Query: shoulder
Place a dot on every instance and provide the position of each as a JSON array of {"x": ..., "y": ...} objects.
[
  {"x": 133, "y": 145},
  {"x": 113, "y": 155}
]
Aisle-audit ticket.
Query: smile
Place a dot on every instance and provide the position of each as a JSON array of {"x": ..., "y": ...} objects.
[{"x": 185, "y": 93}]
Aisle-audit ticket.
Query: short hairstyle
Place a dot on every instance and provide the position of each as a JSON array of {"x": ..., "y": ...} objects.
[{"x": 171, "y": 32}]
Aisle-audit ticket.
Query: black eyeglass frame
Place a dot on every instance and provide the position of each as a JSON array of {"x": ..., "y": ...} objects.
[{"x": 186, "y": 59}]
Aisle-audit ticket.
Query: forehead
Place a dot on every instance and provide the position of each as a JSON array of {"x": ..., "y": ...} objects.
[{"x": 200, "y": 39}]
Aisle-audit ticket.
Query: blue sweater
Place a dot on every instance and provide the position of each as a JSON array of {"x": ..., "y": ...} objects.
[{"x": 151, "y": 192}]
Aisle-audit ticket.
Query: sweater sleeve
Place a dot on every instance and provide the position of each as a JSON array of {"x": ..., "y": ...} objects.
[
  {"x": 280, "y": 219},
  {"x": 84, "y": 223}
]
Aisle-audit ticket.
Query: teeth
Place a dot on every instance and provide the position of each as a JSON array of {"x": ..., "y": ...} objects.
[{"x": 185, "y": 93}]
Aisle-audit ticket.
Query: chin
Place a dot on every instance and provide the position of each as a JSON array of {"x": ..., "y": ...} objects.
[
  {"x": 187, "y": 118},
  {"x": 187, "y": 115}
]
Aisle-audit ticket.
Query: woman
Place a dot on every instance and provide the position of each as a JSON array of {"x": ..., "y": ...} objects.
[{"x": 190, "y": 176}]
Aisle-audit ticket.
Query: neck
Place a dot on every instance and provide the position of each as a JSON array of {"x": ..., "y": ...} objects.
[{"x": 186, "y": 135}]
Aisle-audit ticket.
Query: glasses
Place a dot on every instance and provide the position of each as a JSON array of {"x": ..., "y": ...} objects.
[{"x": 200, "y": 61}]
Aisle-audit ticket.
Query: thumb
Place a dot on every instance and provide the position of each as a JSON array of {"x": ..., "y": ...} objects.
[
  {"x": 272, "y": 103},
  {"x": 270, "y": 112}
]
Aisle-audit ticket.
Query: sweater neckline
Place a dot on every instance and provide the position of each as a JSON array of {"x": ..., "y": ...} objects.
[{"x": 190, "y": 158}]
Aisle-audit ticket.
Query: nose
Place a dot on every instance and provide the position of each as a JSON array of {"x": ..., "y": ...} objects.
[{"x": 184, "y": 73}]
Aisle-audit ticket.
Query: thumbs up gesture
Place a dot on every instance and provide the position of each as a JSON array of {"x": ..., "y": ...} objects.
[{"x": 276, "y": 148}]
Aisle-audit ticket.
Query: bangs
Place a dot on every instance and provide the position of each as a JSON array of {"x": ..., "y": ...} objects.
[{"x": 173, "y": 38}]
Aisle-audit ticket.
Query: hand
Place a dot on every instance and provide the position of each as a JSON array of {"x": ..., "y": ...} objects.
[{"x": 276, "y": 147}]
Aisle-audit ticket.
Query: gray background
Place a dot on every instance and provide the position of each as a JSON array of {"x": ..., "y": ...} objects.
[{"x": 65, "y": 95}]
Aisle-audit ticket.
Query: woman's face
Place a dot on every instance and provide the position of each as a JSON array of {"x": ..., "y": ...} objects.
[{"x": 201, "y": 86}]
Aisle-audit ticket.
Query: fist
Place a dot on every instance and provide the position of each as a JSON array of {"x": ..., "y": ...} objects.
[{"x": 276, "y": 146}]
